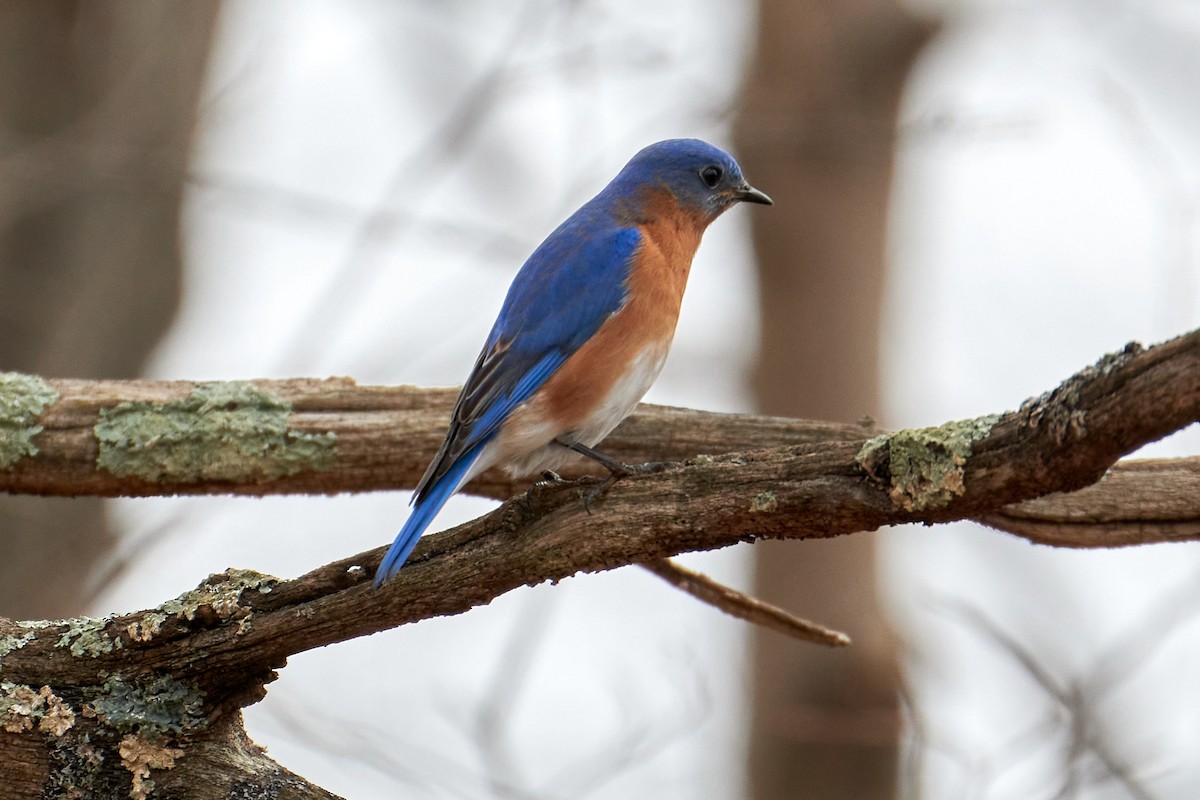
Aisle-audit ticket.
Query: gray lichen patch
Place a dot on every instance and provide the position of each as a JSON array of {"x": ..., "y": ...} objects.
[
  {"x": 11, "y": 643},
  {"x": 150, "y": 707},
  {"x": 85, "y": 636},
  {"x": 220, "y": 432},
  {"x": 925, "y": 465},
  {"x": 140, "y": 720},
  {"x": 148, "y": 712},
  {"x": 23, "y": 398}
]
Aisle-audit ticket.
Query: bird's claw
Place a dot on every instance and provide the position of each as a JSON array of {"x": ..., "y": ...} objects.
[{"x": 597, "y": 492}]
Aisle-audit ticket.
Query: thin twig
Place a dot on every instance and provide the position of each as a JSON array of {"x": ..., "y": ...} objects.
[{"x": 743, "y": 606}]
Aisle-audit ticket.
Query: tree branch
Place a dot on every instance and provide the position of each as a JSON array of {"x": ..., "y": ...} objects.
[
  {"x": 210, "y": 652},
  {"x": 300, "y": 436}
]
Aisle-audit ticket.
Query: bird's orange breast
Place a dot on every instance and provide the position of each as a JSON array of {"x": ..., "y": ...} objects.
[{"x": 640, "y": 332}]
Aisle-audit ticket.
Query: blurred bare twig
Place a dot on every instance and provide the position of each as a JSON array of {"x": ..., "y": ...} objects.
[{"x": 1076, "y": 704}]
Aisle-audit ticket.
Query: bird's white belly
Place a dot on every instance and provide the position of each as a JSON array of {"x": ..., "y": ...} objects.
[
  {"x": 532, "y": 448},
  {"x": 623, "y": 397}
]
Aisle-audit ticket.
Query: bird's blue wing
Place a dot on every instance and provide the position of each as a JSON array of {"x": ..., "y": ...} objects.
[{"x": 562, "y": 295}]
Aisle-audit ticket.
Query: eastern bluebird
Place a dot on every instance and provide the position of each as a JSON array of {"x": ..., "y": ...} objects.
[{"x": 585, "y": 327}]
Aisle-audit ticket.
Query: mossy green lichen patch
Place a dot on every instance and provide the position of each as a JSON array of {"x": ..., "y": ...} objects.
[
  {"x": 232, "y": 431},
  {"x": 925, "y": 465},
  {"x": 217, "y": 599},
  {"x": 22, "y": 400},
  {"x": 764, "y": 503},
  {"x": 220, "y": 595}
]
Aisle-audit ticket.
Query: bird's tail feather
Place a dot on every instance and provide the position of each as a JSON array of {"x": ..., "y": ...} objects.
[{"x": 426, "y": 508}]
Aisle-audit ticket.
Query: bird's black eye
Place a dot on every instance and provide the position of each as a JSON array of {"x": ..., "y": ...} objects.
[{"x": 711, "y": 175}]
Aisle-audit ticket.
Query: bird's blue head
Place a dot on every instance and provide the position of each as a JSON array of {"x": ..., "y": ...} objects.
[{"x": 698, "y": 175}]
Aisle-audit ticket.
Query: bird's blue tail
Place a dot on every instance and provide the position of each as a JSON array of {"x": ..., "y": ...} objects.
[{"x": 426, "y": 508}]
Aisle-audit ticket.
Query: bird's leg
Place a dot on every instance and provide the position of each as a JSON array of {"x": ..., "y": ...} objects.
[{"x": 616, "y": 469}]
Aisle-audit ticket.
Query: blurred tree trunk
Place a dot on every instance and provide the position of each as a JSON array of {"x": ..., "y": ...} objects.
[
  {"x": 97, "y": 106},
  {"x": 817, "y": 132}
]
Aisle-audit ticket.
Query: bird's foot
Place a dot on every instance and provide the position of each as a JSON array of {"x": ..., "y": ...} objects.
[
  {"x": 616, "y": 470},
  {"x": 621, "y": 471}
]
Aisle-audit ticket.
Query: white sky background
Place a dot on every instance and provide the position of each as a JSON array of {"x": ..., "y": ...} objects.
[{"x": 371, "y": 176}]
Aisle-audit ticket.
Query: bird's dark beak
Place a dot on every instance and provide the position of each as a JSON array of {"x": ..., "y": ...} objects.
[{"x": 748, "y": 194}]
